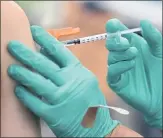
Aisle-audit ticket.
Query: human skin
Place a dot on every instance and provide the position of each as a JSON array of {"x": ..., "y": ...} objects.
[{"x": 16, "y": 120}]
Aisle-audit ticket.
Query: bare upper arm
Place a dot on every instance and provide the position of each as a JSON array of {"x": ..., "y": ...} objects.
[
  {"x": 16, "y": 120},
  {"x": 14, "y": 24}
]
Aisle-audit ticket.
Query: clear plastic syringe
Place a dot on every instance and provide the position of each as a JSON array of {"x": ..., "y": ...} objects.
[{"x": 94, "y": 38}]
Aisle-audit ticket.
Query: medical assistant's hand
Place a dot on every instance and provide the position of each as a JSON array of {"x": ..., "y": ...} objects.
[
  {"x": 67, "y": 88},
  {"x": 135, "y": 69}
]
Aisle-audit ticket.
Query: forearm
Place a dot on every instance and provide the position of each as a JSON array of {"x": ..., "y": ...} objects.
[
  {"x": 122, "y": 131},
  {"x": 16, "y": 120}
]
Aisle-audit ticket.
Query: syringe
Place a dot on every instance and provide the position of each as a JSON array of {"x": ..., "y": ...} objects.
[{"x": 94, "y": 38}]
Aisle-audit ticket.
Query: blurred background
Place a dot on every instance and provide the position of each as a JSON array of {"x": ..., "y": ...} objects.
[{"x": 91, "y": 17}]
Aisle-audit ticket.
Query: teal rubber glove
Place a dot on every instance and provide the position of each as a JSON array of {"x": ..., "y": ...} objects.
[
  {"x": 135, "y": 69},
  {"x": 68, "y": 89}
]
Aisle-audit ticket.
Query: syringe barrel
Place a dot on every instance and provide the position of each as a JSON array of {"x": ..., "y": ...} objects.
[{"x": 93, "y": 38}]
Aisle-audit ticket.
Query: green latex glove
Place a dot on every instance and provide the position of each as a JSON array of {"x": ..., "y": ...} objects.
[
  {"x": 135, "y": 69},
  {"x": 67, "y": 87}
]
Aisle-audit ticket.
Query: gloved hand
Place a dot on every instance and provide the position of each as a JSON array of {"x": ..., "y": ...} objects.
[
  {"x": 68, "y": 89},
  {"x": 135, "y": 69}
]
